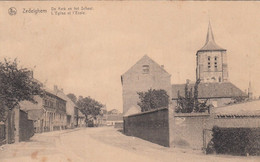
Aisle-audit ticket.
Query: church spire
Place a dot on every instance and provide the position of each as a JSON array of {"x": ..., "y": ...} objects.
[
  {"x": 210, "y": 44},
  {"x": 210, "y": 36}
]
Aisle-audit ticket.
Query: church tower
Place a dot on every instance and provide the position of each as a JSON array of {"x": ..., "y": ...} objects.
[{"x": 211, "y": 61}]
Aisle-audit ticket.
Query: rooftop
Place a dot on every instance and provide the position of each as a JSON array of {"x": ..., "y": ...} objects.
[
  {"x": 210, "y": 44},
  {"x": 210, "y": 90},
  {"x": 251, "y": 108}
]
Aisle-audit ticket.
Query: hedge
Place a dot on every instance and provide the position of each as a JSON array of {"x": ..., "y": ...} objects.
[{"x": 236, "y": 141}]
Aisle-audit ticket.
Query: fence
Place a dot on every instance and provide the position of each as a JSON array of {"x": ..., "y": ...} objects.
[{"x": 152, "y": 126}]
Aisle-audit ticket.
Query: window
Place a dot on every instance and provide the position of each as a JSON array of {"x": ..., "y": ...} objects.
[
  {"x": 209, "y": 62},
  {"x": 146, "y": 69},
  {"x": 216, "y": 61}
]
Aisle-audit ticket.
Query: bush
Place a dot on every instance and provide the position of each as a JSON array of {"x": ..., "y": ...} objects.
[{"x": 236, "y": 141}]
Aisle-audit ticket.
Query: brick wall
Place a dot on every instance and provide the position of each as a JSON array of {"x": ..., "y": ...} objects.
[
  {"x": 135, "y": 80},
  {"x": 187, "y": 130},
  {"x": 152, "y": 126}
]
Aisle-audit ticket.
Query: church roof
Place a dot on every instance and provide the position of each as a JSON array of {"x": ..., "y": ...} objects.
[
  {"x": 210, "y": 44},
  {"x": 210, "y": 90}
]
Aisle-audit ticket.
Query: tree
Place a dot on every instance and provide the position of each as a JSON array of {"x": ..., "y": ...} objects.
[
  {"x": 153, "y": 99},
  {"x": 89, "y": 107},
  {"x": 72, "y": 97},
  {"x": 190, "y": 102},
  {"x": 16, "y": 84}
]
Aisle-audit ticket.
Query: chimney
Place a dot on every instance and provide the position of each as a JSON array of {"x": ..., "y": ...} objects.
[
  {"x": 55, "y": 88},
  {"x": 162, "y": 66},
  {"x": 61, "y": 89}
]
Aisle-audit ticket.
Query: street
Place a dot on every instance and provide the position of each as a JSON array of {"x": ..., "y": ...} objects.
[{"x": 102, "y": 144}]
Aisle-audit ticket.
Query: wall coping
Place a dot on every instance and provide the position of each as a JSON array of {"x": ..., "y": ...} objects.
[
  {"x": 190, "y": 114},
  {"x": 146, "y": 112}
]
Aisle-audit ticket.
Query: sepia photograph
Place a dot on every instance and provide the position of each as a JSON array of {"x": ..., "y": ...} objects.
[{"x": 129, "y": 81}]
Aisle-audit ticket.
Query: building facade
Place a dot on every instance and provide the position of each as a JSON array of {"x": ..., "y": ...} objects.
[
  {"x": 48, "y": 114},
  {"x": 70, "y": 107},
  {"x": 144, "y": 75}
]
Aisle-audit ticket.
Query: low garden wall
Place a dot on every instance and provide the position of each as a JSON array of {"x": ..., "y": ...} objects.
[{"x": 152, "y": 126}]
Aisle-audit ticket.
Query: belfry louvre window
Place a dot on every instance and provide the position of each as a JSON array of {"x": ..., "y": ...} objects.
[{"x": 146, "y": 69}]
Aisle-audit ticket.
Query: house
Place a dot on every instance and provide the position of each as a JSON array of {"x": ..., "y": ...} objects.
[
  {"x": 113, "y": 119},
  {"x": 70, "y": 106},
  {"x": 113, "y": 111},
  {"x": 212, "y": 71},
  {"x": 142, "y": 76},
  {"x": 48, "y": 114}
]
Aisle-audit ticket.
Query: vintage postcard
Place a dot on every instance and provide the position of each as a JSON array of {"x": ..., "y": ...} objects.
[{"x": 112, "y": 81}]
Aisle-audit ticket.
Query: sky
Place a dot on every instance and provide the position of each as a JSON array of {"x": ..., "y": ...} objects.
[{"x": 87, "y": 54}]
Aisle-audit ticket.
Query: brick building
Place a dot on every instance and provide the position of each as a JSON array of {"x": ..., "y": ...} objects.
[{"x": 142, "y": 76}]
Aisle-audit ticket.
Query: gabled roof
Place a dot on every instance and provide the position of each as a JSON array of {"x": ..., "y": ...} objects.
[
  {"x": 251, "y": 108},
  {"x": 210, "y": 44},
  {"x": 55, "y": 94},
  {"x": 145, "y": 57},
  {"x": 210, "y": 90}
]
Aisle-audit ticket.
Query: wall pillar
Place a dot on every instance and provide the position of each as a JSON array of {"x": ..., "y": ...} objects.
[{"x": 16, "y": 124}]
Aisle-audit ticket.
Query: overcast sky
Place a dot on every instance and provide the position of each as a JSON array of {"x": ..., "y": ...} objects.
[{"x": 87, "y": 54}]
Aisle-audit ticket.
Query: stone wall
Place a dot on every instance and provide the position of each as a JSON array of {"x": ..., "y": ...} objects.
[{"x": 152, "y": 126}]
